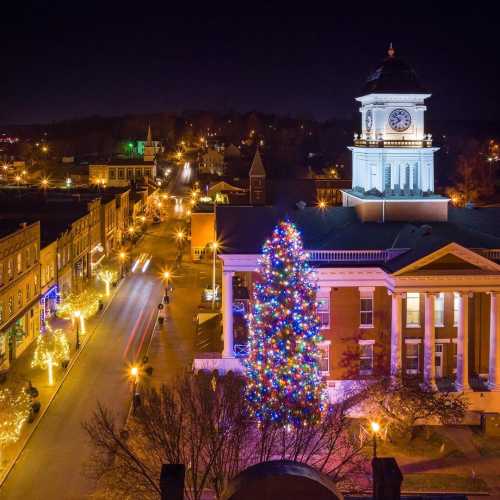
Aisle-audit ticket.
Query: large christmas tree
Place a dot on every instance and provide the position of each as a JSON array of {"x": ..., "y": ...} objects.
[{"x": 284, "y": 384}]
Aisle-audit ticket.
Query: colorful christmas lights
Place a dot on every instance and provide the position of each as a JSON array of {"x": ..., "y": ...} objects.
[{"x": 284, "y": 384}]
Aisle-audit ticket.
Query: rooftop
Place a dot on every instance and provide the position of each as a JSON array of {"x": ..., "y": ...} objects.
[
  {"x": 244, "y": 229},
  {"x": 393, "y": 76},
  {"x": 10, "y": 224}
]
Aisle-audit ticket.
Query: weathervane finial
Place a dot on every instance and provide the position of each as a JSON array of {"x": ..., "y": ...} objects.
[{"x": 391, "y": 51}]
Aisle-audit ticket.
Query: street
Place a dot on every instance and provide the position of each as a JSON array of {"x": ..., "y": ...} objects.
[{"x": 51, "y": 465}]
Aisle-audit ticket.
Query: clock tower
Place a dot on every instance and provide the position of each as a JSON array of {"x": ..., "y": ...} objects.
[{"x": 393, "y": 156}]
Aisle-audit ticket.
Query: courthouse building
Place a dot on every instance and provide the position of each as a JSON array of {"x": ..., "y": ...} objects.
[{"x": 406, "y": 284}]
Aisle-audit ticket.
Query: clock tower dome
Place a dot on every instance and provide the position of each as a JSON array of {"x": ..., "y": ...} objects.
[{"x": 393, "y": 156}]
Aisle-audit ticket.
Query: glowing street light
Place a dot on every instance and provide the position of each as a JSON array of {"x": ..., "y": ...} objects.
[
  {"x": 215, "y": 245},
  {"x": 131, "y": 230},
  {"x": 122, "y": 256},
  {"x": 375, "y": 428},
  {"x": 134, "y": 376},
  {"x": 44, "y": 183},
  {"x": 166, "y": 275},
  {"x": 180, "y": 235},
  {"x": 322, "y": 205}
]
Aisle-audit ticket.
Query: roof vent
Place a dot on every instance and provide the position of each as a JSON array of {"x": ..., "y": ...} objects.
[
  {"x": 301, "y": 205},
  {"x": 426, "y": 229}
]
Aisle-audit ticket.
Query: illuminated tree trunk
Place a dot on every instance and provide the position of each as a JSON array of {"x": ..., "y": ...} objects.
[{"x": 50, "y": 369}]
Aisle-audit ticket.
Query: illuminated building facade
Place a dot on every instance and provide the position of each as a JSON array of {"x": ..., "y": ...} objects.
[{"x": 406, "y": 285}]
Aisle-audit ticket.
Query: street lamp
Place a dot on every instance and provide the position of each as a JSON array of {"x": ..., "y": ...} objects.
[
  {"x": 166, "y": 276},
  {"x": 215, "y": 245},
  {"x": 322, "y": 204},
  {"x": 134, "y": 375},
  {"x": 77, "y": 316},
  {"x": 122, "y": 256},
  {"x": 375, "y": 428},
  {"x": 131, "y": 231}
]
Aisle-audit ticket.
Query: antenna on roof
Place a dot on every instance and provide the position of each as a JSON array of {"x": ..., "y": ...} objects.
[{"x": 391, "y": 50}]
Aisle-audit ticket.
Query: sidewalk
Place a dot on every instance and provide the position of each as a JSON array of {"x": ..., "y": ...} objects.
[
  {"x": 172, "y": 346},
  {"x": 21, "y": 373}
]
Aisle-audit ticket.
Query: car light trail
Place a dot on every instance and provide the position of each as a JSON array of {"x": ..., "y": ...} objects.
[{"x": 146, "y": 265}]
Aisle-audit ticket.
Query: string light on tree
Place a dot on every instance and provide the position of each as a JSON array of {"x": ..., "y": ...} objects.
[
  {"x": 15, "y": 409},
  {"x": 85, "y": 303},
  {"x": 52, "y": 348},
  {"x": 284, "y": 383},
  {"x": 107, "y": 276}
]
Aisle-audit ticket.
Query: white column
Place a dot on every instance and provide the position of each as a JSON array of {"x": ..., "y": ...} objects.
[
  {"x": 494, "y": 361},
  {"x": 396, "y": 334},
  {"x": 462, "y": 381},
  {"x": 429, "y": 342},
  {"x": 227, "y": 314}
]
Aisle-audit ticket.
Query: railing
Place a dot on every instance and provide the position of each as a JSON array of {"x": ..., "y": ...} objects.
[
  {"x": 367, "y": 143},
  {"x": 489, "y": 253},
  {"x": 240, "y": 350},
  {"x": 361, "y": 256}
]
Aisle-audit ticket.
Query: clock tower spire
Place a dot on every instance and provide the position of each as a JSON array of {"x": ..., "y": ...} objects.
[{"x": 393, "y": 156}]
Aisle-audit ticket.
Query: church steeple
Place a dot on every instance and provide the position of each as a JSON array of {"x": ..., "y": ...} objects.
[
  {"x": 257, "y": 176},
  {"x": 149, "y": 148}
]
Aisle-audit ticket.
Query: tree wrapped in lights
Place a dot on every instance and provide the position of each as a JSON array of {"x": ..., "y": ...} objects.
[
  {"x": 79, "y": 307},
  {"x": 284, "y": 383},
  {"x": 15, "y": 409},
  {"x": 107, "y": 276},
  {"x": 52, "y": 348}
]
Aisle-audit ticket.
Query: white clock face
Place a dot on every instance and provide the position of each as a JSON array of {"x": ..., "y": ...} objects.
[
  {"x": 369, "y": 120},
  {"x": 399, "y": 120}
]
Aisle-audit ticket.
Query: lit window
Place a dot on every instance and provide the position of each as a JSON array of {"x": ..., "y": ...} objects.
[
  {"x": 10, "y": 266},
  {"x": 456, "y": 308},
  {"x": 324, "y": 311},
  {"x": 19, "y": 263},
  {"x": 11, "y": 305},
  {"x": 413, "y": 309},
  {"x": 28, "y": 292},
  {"x": 19, "y": 298},
  {"x": 1, "y": 315},
  {"x": 324, "y": 359},
  {"x": 366, "y": 358},
  {"x": 439, "y": 310},
  {"x": 366, "y": 308},
  {"x": 412, "y": 358}
]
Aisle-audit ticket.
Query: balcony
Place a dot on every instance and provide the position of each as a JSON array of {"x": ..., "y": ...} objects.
[
  {"x": 367, "y": 143},
  {"x": 355, "y": 256}
]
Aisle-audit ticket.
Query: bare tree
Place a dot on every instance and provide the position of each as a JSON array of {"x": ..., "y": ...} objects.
[
  {"x": 202, "y": 422},
  {"x": 329, "y": 447},
  {"x": 400, "y": 404}
]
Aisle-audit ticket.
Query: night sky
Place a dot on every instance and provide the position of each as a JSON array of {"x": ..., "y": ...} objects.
[{"x": 73, "y": 61}]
